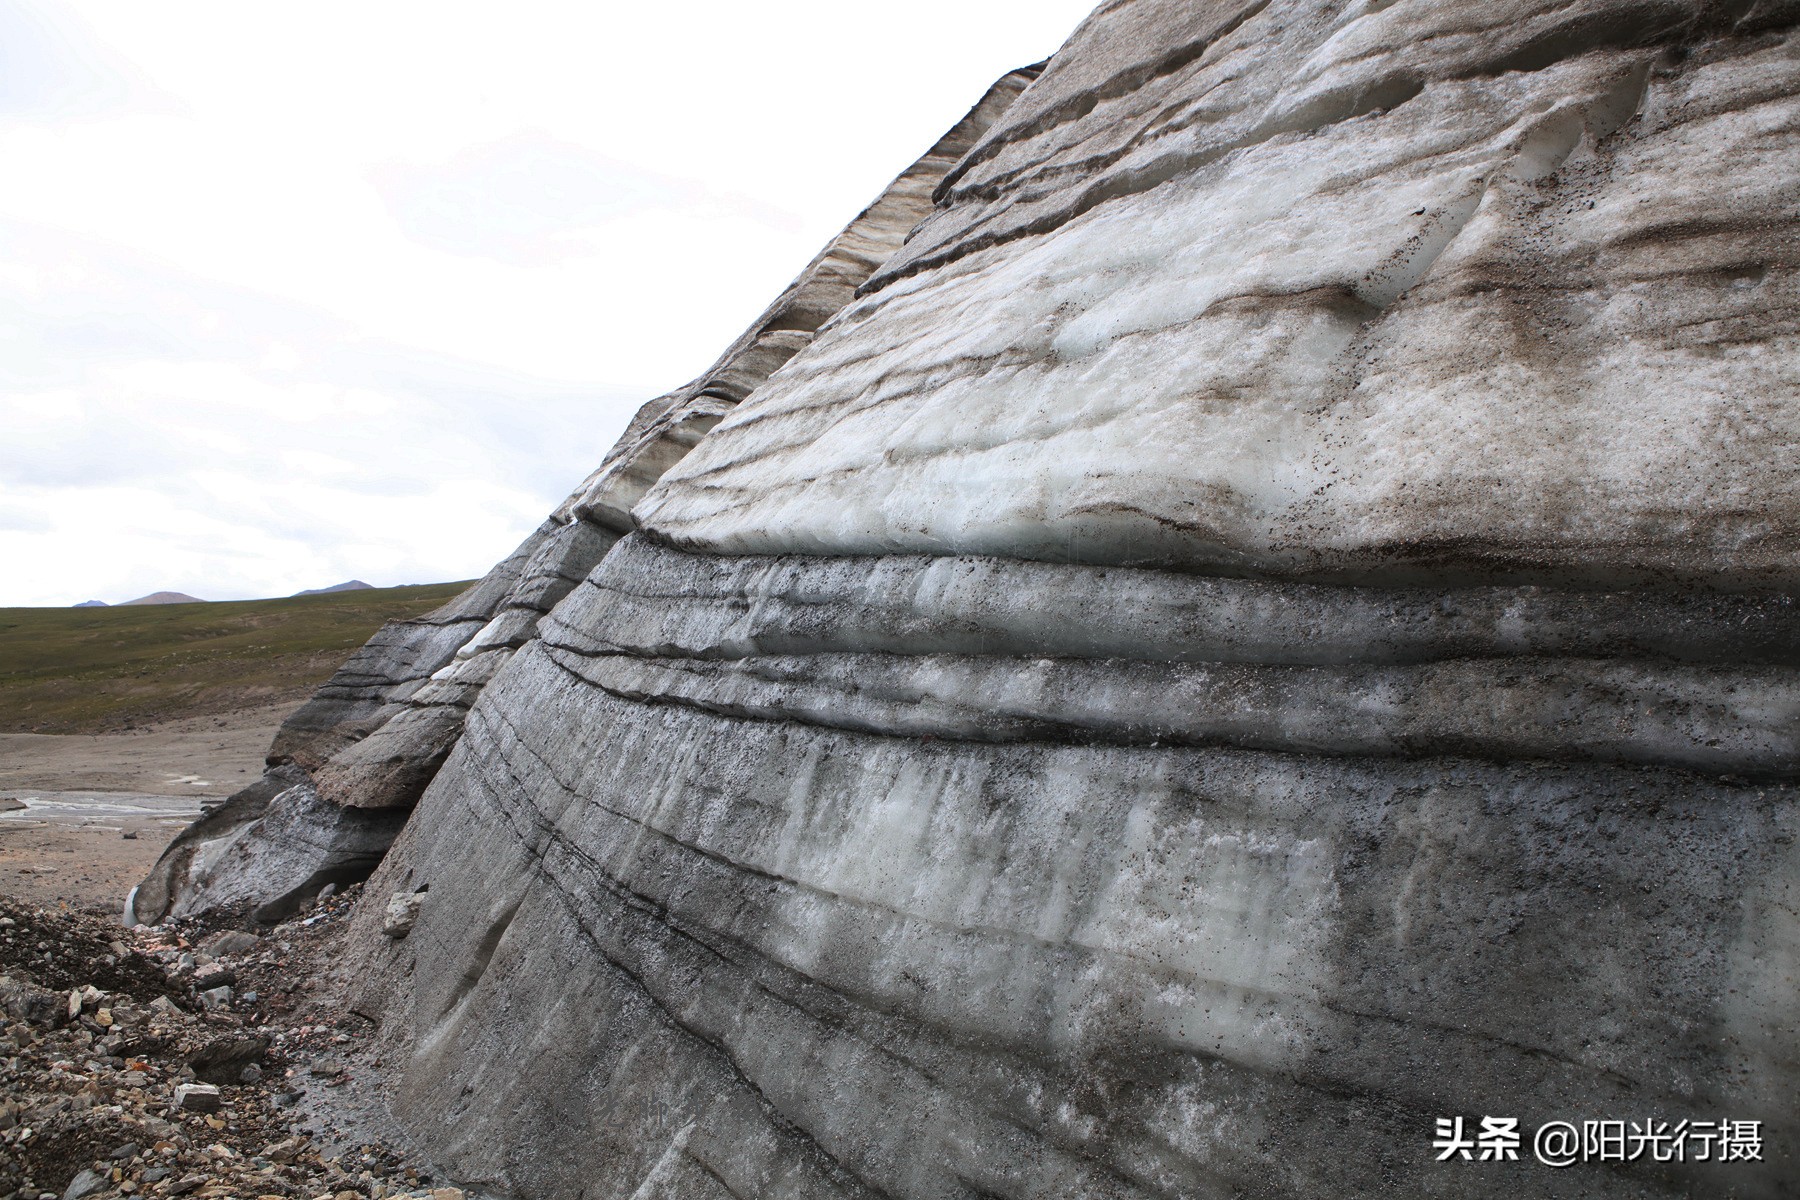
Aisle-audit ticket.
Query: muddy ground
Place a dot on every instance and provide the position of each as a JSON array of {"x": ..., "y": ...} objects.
[{"x": 83, "y": 816}]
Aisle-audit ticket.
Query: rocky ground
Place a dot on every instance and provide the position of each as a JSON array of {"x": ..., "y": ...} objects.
[{"x": 176, "y": 1061}]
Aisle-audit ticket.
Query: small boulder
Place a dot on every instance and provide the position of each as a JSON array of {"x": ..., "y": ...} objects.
[
  {"x": 23, "y": 1002},
  {"x": 84, "y": 1184},
  {"x": 225, "y": 1059},
  {"x": 284, "y": 1151},
  {"x": 216, "y": 999},
  {"x": 230, "y": 942},
  {"x": 198, "y": 1097},
  {"x": 214, "y": 975},
  {"x": 326, "y": 1066},
  {"x": 402, "y": 913}
]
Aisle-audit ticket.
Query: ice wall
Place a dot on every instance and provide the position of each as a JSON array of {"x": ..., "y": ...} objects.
[{"x": 1266, "y": 621}]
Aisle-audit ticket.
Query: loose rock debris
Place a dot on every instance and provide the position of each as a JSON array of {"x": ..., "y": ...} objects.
[{"x": 165, "y": 1062}]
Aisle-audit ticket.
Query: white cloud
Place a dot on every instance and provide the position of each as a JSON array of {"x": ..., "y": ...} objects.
[
  {"x": 294, "y": 293},
  {"x": 52, "y": 66},
  {"x": 532, "y": 200}
]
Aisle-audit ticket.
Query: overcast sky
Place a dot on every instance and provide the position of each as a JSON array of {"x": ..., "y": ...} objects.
[{"x": 294, "y": 293}]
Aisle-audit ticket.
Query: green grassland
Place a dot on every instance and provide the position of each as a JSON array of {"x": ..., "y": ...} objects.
[{"x": 88, "y": 670}]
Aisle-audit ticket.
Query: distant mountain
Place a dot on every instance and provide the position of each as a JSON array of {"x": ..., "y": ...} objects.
[
  {"x": 91, "y": 604},
  {"x": 167, "y": 598},
  {"x": 354, "y": 585}
]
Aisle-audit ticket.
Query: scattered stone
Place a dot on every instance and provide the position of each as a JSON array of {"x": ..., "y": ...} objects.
[
  {"x": 402, "y": 913},
  {"x": 85, "y": 998},
  {"x": 216, "y": 999},
  {"x": 78, "y": 1093}
]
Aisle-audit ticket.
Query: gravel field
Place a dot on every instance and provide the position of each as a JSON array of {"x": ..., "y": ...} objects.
[{"x": 178, "y": 1061}]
